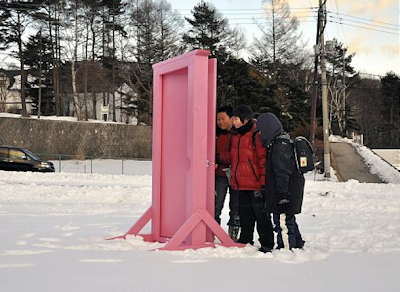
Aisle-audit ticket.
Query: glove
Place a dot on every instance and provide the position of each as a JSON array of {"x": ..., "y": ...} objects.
[
  {"x": 283, "y": 203},
  {"x": 258, "y": 194},
  {"x": 282, "y": 198}
]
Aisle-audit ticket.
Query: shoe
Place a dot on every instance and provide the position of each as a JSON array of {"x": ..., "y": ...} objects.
[
  {"x": 300, "y": 245},
  {"x": 245, "y": 242},
  {"x": 233, "y": 232},
  {"x": 265, "y": 249}
]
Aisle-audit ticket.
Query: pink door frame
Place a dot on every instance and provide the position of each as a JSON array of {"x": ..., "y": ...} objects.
[{"x": 183, "y": 155}]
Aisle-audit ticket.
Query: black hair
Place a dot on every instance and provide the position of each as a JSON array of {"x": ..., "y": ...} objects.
[
  {"x": 225, "y": 109},
  {"x": 243, "y": 112}
]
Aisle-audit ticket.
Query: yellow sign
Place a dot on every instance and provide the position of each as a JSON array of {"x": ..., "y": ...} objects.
[{"x": 104, "y": 109}]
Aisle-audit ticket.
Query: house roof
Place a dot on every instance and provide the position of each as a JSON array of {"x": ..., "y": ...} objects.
[{"x": 11, "y": 74}]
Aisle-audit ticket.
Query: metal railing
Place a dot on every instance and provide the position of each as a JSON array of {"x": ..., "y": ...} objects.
[{"x": 90, "y": 164}]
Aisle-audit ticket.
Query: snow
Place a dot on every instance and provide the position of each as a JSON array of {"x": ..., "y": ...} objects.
[
  {"x": 53, "y": 228},
  {"x": 377, "y": 165},
  {"x": 61, "y": 118}
]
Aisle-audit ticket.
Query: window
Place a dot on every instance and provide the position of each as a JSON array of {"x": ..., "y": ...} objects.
[
  {"x": 3, "y": 81},
  {"x": 17, "y": 154},
  {"x": 3, "y": 153}
]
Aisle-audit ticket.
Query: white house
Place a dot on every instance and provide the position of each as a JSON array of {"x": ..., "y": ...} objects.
[{"x": 10, "y": 97}]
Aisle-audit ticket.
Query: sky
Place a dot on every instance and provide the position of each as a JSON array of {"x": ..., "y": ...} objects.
[{"x": 371, "y": 29}]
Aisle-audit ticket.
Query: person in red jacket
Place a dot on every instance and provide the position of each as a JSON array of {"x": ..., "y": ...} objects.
[
  {"x": 222, "y": 171},
  {"x": 248, "y": 179}
]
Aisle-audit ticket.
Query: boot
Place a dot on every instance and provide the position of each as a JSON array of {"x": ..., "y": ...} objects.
[
  {"x": 233, "y": 232},
  {"x": 265, "y": 249}
]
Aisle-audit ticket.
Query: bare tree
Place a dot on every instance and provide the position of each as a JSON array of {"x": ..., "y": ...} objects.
[
  {"x": 72, "y": 36},
  {"x": 4, "y": 92},
  {"x": 339, "y": 80},
  {"x": 155, "y": 30},
  {"x": 279, "y": 43}
]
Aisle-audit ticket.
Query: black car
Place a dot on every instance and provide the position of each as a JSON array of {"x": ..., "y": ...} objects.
[{"x": 19, "y": 159}]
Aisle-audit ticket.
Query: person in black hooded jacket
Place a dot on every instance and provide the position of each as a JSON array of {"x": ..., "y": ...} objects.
[{"x": 280, "y": 197}]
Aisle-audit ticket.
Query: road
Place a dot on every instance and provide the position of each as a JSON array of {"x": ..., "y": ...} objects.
[{"x": 350, "y": 165}]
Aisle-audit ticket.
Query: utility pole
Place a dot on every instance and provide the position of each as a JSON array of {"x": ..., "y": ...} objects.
[
  {"x": 325, "y": 111},
  {"x": 40, "y": 74},
  {"x": 344, "y": 93},
  {"x": 320, "y": 52},
  {"x": 313, "y": 123}
]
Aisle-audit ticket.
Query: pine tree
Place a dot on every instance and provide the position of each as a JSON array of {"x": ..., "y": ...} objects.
[
  {"x": 38, "y": 58},
  {"x": 390, "y": 95},
  {"x": 15, "y": 19},
  {"x": 209, "y": 30}
]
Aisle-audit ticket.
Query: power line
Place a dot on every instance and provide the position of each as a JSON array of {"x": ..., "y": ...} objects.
[
  {"x": 252, "y": 9},
  {"x": 256, "y": 23},
  {"x": 360, "y": 22},
  {"x": 243, "y": 18},
  {"x": 249, "y": 13},
  {"x": 366, "y": 28},
  {"x": 370, "y": 20}
]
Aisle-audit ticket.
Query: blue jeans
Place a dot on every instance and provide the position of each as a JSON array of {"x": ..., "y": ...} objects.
[
  {"x": 221, "y": 188},
  {"x": 292, "y": 237}
]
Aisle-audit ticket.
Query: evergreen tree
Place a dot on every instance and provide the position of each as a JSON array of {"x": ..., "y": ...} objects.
[
  {"x": 38, "y": 58},
  {"x": 209, "y": 30},
  {"x": 390, "y": 95},
  {"x": 47, "y": 18},
  {"x": 15, "y": 19}
]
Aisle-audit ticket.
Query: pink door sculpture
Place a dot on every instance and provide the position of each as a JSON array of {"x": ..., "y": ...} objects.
[{"x": 182, "y": 211}]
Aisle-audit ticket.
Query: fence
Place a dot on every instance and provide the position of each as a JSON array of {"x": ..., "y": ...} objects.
[
  {"x": 89, "y": 164},
  {"x": 359, "y": 139}
]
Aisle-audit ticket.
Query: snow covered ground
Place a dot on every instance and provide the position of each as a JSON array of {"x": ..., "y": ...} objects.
[{"x": 53, "y": 229}]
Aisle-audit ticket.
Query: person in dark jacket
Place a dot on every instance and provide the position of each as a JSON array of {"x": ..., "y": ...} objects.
[
  {"x": 222, "y": 171},
  {"x": 280, "y": 197},
  {"x": 248, "y": 178}
]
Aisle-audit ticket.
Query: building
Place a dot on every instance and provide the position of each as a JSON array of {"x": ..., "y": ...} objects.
[{"x": 10, "y": 96}]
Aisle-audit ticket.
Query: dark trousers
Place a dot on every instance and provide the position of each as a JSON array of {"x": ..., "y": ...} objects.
[
  {"x": 288, "y": 233},
  {"x": 251, "y": 211},
  {"x": 221, "y": 188}
]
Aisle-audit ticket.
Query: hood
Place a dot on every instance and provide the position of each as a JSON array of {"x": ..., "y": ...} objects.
[{"x": 270, "y": 127}]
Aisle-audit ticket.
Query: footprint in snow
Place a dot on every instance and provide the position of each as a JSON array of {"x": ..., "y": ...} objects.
[
  {"x": 50, "y": 239},
  {"x": 4, "y": 266},
  {"x": 101, "y": 261}
]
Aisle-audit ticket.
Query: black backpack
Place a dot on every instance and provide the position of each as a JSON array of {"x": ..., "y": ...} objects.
[
  {"x": 304, "y": 154},
  {"x": 304, "y": 162}
]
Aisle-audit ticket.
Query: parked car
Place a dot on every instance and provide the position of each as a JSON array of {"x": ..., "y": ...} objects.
[{"x": 20, "y": 159}]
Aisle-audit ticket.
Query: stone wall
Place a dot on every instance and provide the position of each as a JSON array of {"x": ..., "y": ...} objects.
[{"x": 99, "y": 140}]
